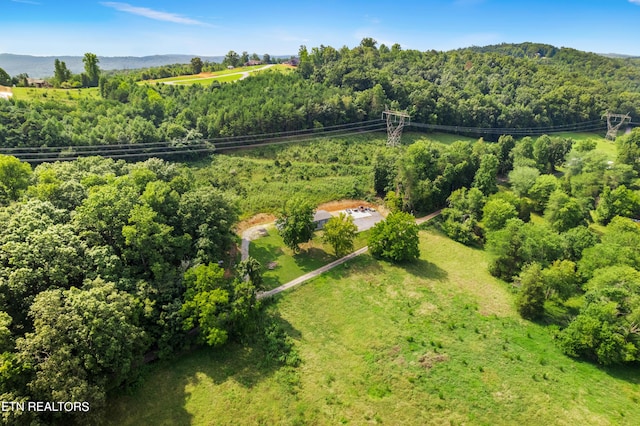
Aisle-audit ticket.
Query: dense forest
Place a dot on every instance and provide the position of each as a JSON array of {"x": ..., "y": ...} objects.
[
  {"x": 106, "y": 264},
  {"x": 522, "y": 86}
]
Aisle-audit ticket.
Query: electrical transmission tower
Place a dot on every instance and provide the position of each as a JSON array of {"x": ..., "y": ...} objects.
[
  {"x": 395, "y": 124},
  {"x": 612, "y": 126}
]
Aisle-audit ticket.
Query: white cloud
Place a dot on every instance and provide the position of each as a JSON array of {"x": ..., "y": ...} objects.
[
  {"x": 635, "y": 2},
  {"x": 153, "y": 14}
]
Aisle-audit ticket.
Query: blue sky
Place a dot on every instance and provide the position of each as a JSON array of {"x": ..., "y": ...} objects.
[{"x": 210, "y": 28}]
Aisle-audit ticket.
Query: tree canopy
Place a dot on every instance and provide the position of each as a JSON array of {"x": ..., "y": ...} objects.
[{"x": 396, "y": 238}]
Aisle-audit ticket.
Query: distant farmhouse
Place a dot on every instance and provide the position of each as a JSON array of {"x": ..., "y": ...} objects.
[
  {"x": 39, "y": 83},
  {"x": 252, "y": 63},
  {"x": 294, "y": 62}
]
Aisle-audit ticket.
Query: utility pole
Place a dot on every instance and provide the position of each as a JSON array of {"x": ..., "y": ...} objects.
[
  {"x": 612, "y": 129},
  {"x": 395, "y": 123}
]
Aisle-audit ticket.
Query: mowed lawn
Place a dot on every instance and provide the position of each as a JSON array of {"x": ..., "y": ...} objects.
[
  {"x": 287, "y": 265},
  {"x": 436, "y": 342}
]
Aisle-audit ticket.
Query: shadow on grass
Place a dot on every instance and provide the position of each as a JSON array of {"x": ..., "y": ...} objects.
[
  {"x": 176, "y": 388},
  {"x": 628, "y": 373},
  {"x": 312, "y": 258},
  {"x": 425, "y": 269},
  {"x": 265, "y": 253}
]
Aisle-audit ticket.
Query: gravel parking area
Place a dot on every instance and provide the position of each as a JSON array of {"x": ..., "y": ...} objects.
[{"x": 363, "y": 220}]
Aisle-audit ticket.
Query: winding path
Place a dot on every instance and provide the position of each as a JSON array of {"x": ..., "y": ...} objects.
[{"x": 249, "y": 233}]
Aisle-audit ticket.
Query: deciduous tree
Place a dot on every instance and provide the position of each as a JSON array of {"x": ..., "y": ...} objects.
[
  {"x": 84, "y": 342},
  {"x": 205, "y": 300},
  {"x": 295, "y": 223},
  {"x": 14, "y": 178},
  {"x": 486, "y": 176},
  {"x": 496, "y": 213},
  {"x": 395, "y": 238},
  {"x": 339, "y": 232},
  {"x": 196, "y": 65},
  {"x": 91, "y": 69},
  {"x": 531, "y": 298}
]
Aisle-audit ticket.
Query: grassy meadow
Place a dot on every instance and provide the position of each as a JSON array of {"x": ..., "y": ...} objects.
[
  {"x": 57, "y": 95},
  {"x": 312, "y": 256},
  {"x": 224, "y": 76},
  {"x": 436, "y": 342}
]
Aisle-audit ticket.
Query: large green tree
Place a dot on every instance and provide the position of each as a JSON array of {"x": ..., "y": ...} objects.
[
  {"x": 396, "y": 238},
  {"x": 204, "y": 304},
  {"x": 486, "y": 176},
  {"x": 196, "y": 65},
  {"x": 617, "y": 202},
  {"x": 84, "y": 343},
  {"x": 295, "y": 223},
  {"x": 339, "y": 232},
  {"x": 522, "y": 179},
  {"x": 530, "y": 301},
  {"x": 564, "y": 212},
  {"x": 61, "y": 73},
  {"x": 91, "y": 69},
  {"x": 606, "y": 329},
  {"x": 496, "y": 213},
  {"x": 629, "y": 149},
  {"x": 14, "y": 178}
]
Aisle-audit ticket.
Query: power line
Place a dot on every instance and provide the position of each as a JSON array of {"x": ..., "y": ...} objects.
[
  {"x": 219, "y": 140},
  {"x": 168, "y": 148},
  {"x": 40, "y": 157},
  {"x": 583, "y": 126}
]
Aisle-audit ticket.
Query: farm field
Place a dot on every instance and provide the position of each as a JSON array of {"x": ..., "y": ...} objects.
[
  {"x": 220, "y": 76},
  {"x": 58, "y": 95},
  {"x": 606, "y": 146},
  {"x": 429, "y": 343}
]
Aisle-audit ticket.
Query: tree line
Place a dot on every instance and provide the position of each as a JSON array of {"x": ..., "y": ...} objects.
[
  {"x": 104, "y": 264},
  {"x": 489, "y": 89},
  {"x": 583, "y": 281}
]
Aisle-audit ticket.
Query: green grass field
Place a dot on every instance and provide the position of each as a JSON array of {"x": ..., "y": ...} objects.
[
  {"x": 602, "y": 144},
  {"x": 443, "y": 138},
  {"x": 207, "y": 81},
  {"x": 58, "y": 95},
  {"x": 289, "y": 265},
  {"x": 429, "y": 343},
  {"x": 219, "y": 76}
]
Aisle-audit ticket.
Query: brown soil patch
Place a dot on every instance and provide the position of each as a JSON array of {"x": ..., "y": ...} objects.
[
  {"x": 259, "y": 219},
  {"x": 428, "y": 360},
  {"x": 334, "y": 206}
]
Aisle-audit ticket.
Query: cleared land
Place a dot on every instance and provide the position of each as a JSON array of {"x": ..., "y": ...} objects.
[
  {"x": 58, "y": 95},
  {"x": 286, "y": 264},
  {"x": 219, "y": 76},
  {"x": 429, "y": 343}
]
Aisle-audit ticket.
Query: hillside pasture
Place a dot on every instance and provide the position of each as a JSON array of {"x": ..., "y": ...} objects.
[
  {"x": 424, "y": 344},
  {"x": 224, "y": 76},
  {"x": 57, "y": 95},
  {"x": 287, "y": 265}
]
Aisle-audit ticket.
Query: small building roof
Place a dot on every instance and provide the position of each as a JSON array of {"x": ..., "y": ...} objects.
[{"x": 321, "y": 215}]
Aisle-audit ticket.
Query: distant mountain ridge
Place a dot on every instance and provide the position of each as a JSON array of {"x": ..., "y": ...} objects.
[{"x": 42, "y": 66}]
